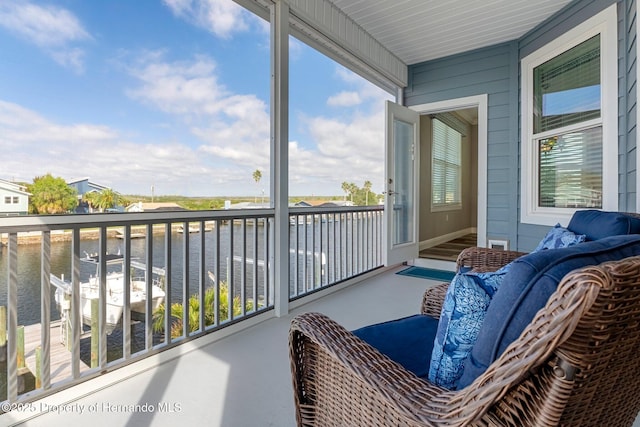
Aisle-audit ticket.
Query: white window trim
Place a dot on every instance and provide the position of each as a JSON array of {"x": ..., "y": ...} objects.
[{"x": 605, "y": 24}]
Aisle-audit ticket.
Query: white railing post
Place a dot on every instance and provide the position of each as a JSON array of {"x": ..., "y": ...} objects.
[
  {"x": 45, "y": 310},
  {"x": 280, "y": 151},
  {"x": 12, "y": 320}
]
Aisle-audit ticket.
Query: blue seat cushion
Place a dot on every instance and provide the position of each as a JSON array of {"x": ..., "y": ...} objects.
[
  {"x": 597, "y": 224},
  {"x": 407, "y": 341},
  {"x": 527, "y": 287},
  {"x": 463, "y": 312}
]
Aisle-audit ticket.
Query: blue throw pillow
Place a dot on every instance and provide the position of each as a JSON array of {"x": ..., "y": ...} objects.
[
  {"x": 559, "y": 237},
  {"x": 463, "y": 311},
  {"x": 532, "y": 279}
]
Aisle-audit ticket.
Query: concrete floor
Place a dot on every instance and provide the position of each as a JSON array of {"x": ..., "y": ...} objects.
[{"x": 241, "y": 380}]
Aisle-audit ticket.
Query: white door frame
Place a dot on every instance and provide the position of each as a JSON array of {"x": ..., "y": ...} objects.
[{"x": 481, "y": 103}]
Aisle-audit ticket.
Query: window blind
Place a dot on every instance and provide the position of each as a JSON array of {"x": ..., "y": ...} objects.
[
  {"x": 446, "y": 165},
  {"x": 570, "y": 170},
  {"x": 567, "y": 87}
]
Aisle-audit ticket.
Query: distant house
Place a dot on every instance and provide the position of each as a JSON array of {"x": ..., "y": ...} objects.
[
  {"x": 82, "y": 187},
  {"x": 247, "y": 205},
  {"x": 153, "y": 207},
  {"x": 322, "y": 203},
  {"x": 14, "y": 198}
]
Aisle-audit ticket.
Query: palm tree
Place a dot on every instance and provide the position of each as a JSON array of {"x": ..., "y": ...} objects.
[
  {"x": 177, "y": 311},
  {"x": 257, "y": 176},
  {"x": 345, "y": 188},
  {"x": 105, "y": 199},
  {"x": 367, "y": 189}
]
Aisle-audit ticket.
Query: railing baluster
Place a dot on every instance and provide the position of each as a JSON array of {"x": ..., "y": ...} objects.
[
  {"x": 45, "y": 311},
  {"x": 305, "y": 257},
  {"x": 12, "y": 321},
  {"x": 126, "y": 297},
  {"x": 202, "y": 280},
  {"x": 300, "y": 280},
  {"x": 216, "y": 273},
  {"x": 243, "y": 269},
  {"x": 76, "y": 313},
  {"x": 269, "y": 272},
  {"x": 102, "y": 292},
  {"x": 230, "y": 275},
  {"x": 255, "y": 264},
  {"x": 148, "y": 319},
  {"x": 185, "y": 280},
  {"x": 168, "y": 253}
]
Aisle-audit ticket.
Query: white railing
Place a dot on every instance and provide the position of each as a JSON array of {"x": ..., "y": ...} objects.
[
  {"x": 332, "y": 245},
  {"x": 92, "y": 290}
]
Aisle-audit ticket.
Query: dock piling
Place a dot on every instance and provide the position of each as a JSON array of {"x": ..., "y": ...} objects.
[
  {"x": 95, "y": 336},
  {"x": 20, "y": 346},
  {"x": 3, "y": 333},
  {"x": 38, "y": 372}
]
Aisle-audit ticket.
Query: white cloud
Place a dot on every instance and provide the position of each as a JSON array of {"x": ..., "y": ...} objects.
[
  {"x": 52, "y": 29},
  {"x": 183, "y": 87},
  {"x": 103, "y": 154},
  {"x": 231, "y": 126},
  {"x": 344, "y": 99},
  {"x": 234, "y": 129},
  {"x": 221, "y": 17},
  {"x": 348, "y": 147}
]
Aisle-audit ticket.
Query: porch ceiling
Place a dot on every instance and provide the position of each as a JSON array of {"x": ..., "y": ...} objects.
[{"x": 421, "y": 30}]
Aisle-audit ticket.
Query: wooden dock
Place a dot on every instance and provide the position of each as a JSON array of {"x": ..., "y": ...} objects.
[{"x": 60, "y": 356}]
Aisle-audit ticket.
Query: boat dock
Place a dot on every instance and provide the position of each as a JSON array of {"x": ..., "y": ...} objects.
[{"x": 60, "y": 357}]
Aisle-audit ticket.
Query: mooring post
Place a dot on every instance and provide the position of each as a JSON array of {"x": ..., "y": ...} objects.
[
  {"x": 20, "y": 346},
  {"x": 3, "y": 333},
  {"x": 38, "y": 371},
  {"x": 95, "y": 333}
]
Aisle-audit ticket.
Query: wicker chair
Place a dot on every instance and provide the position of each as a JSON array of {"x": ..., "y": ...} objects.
[{"x": 576, "y": 364}]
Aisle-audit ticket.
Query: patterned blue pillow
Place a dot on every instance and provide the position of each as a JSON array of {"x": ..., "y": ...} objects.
[
  {"x": 559, "y": 237},
  {"x": 463, "y": 312}
]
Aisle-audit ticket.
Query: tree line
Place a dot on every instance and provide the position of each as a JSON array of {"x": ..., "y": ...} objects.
[
  {"x": 52, "y": 195},
  {"x": 360, "y": 196}
]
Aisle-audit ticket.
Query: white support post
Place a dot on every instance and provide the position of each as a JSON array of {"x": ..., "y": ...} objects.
[{"x": 280, "y": 152}]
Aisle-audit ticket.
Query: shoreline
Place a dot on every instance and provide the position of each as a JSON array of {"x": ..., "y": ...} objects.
[{"x": 35, "y": 237}]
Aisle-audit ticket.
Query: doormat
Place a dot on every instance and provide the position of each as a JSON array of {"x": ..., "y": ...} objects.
[{"x": 427, "y": 273}]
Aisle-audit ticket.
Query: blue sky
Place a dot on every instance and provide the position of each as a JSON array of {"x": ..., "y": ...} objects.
[{"x": 173, "y": 94}]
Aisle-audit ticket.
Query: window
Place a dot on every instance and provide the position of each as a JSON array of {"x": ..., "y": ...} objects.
[
  {"x": 7, "y": 200},
  {"x": 446, "y": 163},
  {"x": 569, "y": 114}
]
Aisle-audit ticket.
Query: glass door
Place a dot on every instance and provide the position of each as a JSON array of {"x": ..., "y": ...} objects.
[{"x": 401, "y": 178}]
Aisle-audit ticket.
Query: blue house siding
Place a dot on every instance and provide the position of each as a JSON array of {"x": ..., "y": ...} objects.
[
  {"x": 495, "y": 71},
  {"x": 492, "y": 71},
  {"x": 628, "y": 104}
]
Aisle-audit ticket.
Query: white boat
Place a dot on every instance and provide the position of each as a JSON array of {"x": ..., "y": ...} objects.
[{"x": 90, "y": 290}]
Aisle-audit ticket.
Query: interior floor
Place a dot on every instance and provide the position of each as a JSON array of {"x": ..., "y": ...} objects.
[{"x": 449, "y": 251}]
